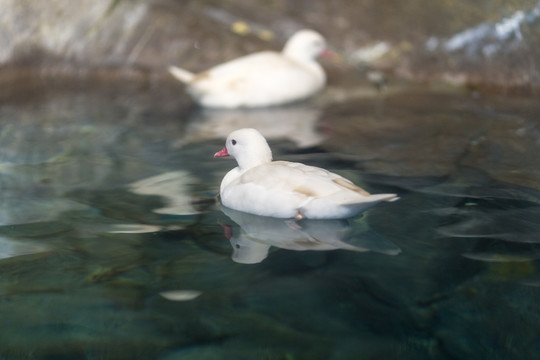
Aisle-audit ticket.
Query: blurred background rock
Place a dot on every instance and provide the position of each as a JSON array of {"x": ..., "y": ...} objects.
[{"x": 488, "y": 44}]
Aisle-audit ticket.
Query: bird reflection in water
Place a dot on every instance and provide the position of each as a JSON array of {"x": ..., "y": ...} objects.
[
  {"x": 298, "y": 123},
  {"x": 252, "y": 236}
]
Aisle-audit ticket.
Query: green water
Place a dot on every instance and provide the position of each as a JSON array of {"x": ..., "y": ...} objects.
[{"x": 112, "y": 244}]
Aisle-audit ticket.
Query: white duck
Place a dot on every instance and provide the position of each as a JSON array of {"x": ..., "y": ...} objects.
[
  {"x": 285, "y": 189},
  {"x": 261, "y": 79}
]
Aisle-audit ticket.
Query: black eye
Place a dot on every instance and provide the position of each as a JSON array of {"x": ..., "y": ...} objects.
[{"x": 233, "y": 142}]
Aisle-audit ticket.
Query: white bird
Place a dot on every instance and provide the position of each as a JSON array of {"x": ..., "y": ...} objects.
[
  {"x": 285, "y": 189},
  {"x": 261, "y": 79}
]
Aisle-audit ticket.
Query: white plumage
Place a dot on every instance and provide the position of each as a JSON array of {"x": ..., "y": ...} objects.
[
  {"x": 285, "y": 189},
  {"x": 261, "y": 79}
]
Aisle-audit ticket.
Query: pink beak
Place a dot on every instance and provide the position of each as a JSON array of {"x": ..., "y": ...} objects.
[
  {"x": 222, "y": 153},
  {"x": 327, "y": 54}
]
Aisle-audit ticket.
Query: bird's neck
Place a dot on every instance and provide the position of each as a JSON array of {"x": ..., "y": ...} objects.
[
  {"x": 300, "y": 56},
  {"x": 307, "y": 62},
  {"x": 254, "y": 159}
]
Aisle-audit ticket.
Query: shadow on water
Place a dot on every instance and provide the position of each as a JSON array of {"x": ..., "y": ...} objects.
[{"x": 112, "y": 245}]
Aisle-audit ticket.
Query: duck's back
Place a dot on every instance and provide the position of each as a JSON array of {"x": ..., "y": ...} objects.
[
  {"x": 260, "y": 79},
  {"x": 286, "y": 189}
]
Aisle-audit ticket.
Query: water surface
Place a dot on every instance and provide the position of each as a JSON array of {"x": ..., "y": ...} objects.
[{"x": 112, "y": 244}]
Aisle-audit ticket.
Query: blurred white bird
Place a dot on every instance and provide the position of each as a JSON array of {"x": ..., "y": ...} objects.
[{"x": 261, "y": 79}]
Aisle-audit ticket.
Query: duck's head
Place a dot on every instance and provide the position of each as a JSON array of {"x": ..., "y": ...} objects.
[
  {"x": 305, "y": 45},
  {"x": 248, "y": 147}
]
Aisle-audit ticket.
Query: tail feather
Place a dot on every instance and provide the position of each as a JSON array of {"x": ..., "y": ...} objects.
[
  {"x": 181, "y": 74},
  {"x": 372, "y": 198},
  {"x": 339, "y": 208}
]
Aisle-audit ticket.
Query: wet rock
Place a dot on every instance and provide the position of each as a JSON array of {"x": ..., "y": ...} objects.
[{"x": 488, "y": 44}]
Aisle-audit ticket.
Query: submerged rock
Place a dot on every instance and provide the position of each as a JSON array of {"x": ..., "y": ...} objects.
[{"x": 438, "y": 134}]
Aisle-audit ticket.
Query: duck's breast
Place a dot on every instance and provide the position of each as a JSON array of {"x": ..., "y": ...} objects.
[
  {"x": 280, "y": 189},
  {"x": 262, "y": 191}
]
